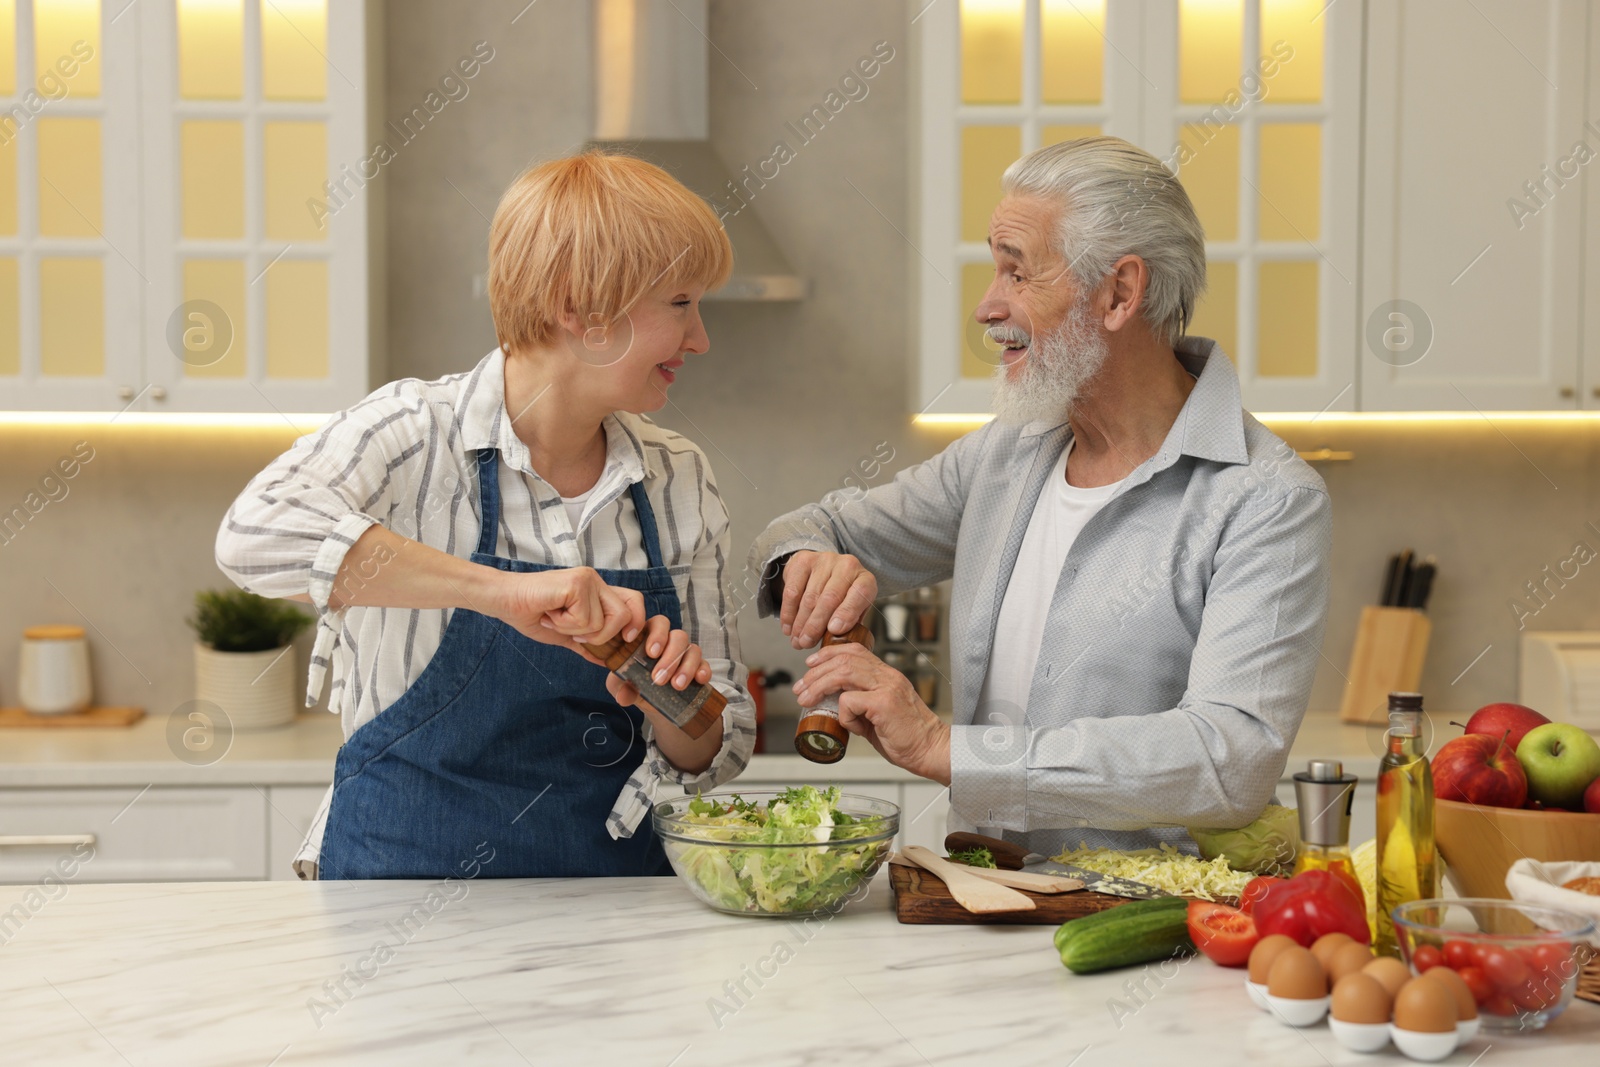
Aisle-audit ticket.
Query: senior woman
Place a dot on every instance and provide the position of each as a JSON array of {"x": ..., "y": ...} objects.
[{"x": 458, "y": 536}]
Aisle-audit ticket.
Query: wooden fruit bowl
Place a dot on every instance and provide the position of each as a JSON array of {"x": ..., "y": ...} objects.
[{"x": 1480, "y": 844}]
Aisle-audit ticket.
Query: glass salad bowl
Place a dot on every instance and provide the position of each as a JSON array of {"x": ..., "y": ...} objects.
[
  {"x": 793, "y": 851},
  {"x": 1521, "y": 961}
]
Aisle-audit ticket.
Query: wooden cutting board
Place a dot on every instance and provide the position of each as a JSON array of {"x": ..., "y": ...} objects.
[
  {"x": 110, "y": 716},
  {"x": 920, "y": 897}
]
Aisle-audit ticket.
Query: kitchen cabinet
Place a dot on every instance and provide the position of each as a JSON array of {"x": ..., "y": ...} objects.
[
  {"x": 1473, "y": 204},
  {"x": 1590, "y": 391},
  {"x": 290, "y": 810},
  {"x": 159, "y": 834},
  {"x": 183, "y": 214}
]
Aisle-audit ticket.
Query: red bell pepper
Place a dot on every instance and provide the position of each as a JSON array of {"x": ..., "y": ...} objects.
[{"x": 1311, "y": 904}]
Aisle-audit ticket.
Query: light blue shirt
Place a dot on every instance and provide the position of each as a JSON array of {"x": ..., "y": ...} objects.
[{"x": 1183, "y": 631}]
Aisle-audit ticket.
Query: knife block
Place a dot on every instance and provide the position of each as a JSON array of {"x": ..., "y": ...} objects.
[{"x": 1391, "y": 645}]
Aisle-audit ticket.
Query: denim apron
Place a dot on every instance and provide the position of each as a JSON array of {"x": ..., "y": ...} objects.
[{"x": 502, "y": 747}]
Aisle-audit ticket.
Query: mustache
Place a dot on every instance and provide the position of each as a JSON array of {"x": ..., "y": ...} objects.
[{"x": 1005, "y": 334}]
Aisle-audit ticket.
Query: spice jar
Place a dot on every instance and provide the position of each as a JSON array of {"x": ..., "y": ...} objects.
[
  {"x": 819, "y": 736},
  {"x": 925, "y": 679},
  {"x": 53, "y": 678},
  {"x": 692, "y": 709}
]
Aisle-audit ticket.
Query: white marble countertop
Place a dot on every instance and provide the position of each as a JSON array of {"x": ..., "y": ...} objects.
[
  {"x": 626, "y": 971},
  {"x": 302, "y": 754}
]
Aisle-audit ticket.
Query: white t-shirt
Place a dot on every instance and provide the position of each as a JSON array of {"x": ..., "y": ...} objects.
[
  {"x": 1059, "y": 514},
  {"x": 575, "y": 506}
]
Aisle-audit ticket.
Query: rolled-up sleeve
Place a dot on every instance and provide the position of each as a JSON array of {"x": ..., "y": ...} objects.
[
  {"x": 1213, "y": 760},
  {"x": 288, "y": 532}
]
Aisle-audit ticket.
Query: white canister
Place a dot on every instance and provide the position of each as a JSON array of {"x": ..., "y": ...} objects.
[{"x": 54, "y": 675}]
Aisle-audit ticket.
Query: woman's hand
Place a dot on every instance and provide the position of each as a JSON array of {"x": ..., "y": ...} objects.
[
  {"x": 879, "y": 703},
  {"x": 679, "y": 662},
  {"x": 823, "y": 589},
  {"x": 567, "y": 606}
]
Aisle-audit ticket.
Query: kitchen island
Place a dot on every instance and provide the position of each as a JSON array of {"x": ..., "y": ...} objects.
[{"x": 628, "y": 971}]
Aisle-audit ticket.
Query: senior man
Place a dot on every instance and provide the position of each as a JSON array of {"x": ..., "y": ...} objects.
[{"x": 1140, "y": 568}]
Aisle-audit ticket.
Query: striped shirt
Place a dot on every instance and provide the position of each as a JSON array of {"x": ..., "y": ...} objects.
[{"x": 405, "y": 458}]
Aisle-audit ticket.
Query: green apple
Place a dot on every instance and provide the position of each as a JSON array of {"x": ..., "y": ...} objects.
[{"x": 1560, "y": 760}]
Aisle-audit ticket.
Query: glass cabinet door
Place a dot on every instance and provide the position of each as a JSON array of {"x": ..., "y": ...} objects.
[
  {"x": 258, "y": 212},
  {"x": 70, "y": 258},
  {"x": 1001, "y": 78},
  {"x": 1257, "y": 102}
]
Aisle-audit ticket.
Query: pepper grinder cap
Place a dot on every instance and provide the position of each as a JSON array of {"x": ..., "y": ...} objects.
[{"x": 1325, "y": 795}]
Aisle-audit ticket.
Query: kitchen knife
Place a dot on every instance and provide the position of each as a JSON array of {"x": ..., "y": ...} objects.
[
  {"x": 1391, "y": 582},
  {"x": 1422, "y": 585},
  {"x": 1014, "y": 857},
  {"x": 1403, "y": 589}
]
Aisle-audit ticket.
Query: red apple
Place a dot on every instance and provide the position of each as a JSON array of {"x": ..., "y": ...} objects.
[
  {"x": 1479, "y": 770},
  {"x": 1591, "y": 798},
  {"x": 1495, "y": 719}
]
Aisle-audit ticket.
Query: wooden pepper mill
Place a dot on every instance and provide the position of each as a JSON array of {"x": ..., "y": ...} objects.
[
  {"x": 820, "y": 737},
  {"x": 692, "y": 710}
]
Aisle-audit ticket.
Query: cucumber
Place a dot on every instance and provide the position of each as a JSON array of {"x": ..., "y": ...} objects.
[{"x": 1127, "y": 934}]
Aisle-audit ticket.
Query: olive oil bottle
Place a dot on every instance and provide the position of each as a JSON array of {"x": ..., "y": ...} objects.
[
  {"x": 1325, "y": 795},
  {"x": 1406, "y": 869}
]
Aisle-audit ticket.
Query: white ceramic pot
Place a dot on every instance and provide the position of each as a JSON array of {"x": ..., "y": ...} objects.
[
  {"x": 53, "y": 674},
  {"x": 255, "y": 690}
]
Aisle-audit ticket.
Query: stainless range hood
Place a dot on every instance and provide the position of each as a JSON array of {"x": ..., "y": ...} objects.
[{"x": 650, "y": 101}]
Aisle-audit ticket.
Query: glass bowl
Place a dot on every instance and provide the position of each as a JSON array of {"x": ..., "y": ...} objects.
[
  {"x": 750, "y": 870},
  {"x": 1521, "y": 961}
]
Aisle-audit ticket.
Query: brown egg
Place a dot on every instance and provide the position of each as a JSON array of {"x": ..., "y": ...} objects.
[
  {"x": 1426, "y": 1007},
  {"x": 1296, "y": 975},
  {"x": 1265, "y": 953},
  {"x": 1361, "y": 998},
  {"x": 1348, "y": 959},
  {"x": 1325, "y": 946},
  {"x": 1390, "y": 971},
  {"x": 1466, "y": 1007}
]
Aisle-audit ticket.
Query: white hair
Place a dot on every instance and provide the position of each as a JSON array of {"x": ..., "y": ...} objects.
[{"x": 1117, "y": 199}]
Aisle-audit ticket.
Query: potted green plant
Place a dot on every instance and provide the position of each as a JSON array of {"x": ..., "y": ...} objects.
[{"x": 243, "y": 662}]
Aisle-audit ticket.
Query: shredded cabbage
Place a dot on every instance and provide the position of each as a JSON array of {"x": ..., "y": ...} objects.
[
  {"x": 1165, "y": 868},
  {"x": 804, "y": 870}
]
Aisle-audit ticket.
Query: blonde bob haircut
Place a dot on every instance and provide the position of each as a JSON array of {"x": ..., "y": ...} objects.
[{"x": 589, "y": 236}]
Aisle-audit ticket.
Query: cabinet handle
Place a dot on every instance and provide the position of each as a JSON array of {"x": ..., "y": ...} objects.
[
  {"x": 1567, "y": 392},
  {"x": 157, "y": 393},
  {"x": 125, "y": 392},
  {"x": 1596, "y": 392},
  {"x": 19, "y": 840}
]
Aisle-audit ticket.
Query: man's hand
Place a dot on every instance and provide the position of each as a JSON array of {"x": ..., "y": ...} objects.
[
  {"x": 878, "y": 702},
  {"x": 823, "y": 589},
  {"x": 566, "y": 606}
]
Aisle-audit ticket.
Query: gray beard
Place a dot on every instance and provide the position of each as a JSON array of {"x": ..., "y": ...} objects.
[{"x": 1055, "y": 372}]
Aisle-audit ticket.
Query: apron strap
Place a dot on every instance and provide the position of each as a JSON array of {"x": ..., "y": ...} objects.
[
  {"x": 488, "y": 500},
  {"x": 647, "y": 523}
]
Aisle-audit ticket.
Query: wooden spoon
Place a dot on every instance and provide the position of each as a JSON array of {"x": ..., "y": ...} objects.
[
  {"x": 1033, "y": 883},
  {"x": 971, "y": 892}
]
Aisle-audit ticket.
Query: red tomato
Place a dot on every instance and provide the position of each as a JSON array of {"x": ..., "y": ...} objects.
[
  {"x": 1426, "y": 957},
  {"x": 1226, "y": 935},
  {"x": 1499, "y": 1004},
  {"x": 1458, "y": 954},
  {"x": 1553, "y": 959},
  {"x": 1477, "y": 981},
  {"x": 1506, "y": 969},
  {"x": 1536, "y": 994},
  {"x": 1255, "y": 889}
]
